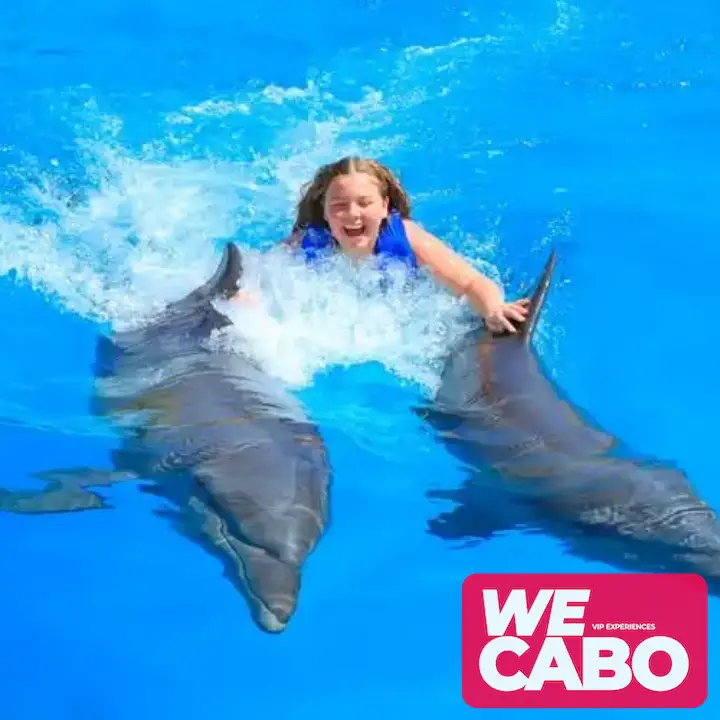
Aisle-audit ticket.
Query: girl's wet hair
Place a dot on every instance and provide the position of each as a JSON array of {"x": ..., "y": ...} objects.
[{"x": 310, "y": 208}]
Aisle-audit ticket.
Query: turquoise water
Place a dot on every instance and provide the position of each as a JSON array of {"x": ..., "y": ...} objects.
[{"x": 515, "y": 126}]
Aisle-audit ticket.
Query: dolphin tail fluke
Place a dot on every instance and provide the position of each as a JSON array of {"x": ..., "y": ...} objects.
[{"x": 538, "y": 299}]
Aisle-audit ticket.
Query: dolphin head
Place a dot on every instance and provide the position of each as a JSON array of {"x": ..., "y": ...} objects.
[
  {"x": 271, "y": 587},
  {"x": 267, "y": 506}
]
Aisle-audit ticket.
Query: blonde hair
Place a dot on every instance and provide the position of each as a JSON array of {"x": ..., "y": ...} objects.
[{"x": 310, "y": 208}]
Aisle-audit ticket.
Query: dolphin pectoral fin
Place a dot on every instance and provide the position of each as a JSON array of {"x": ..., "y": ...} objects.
[
  {"x": 477, "y": 514},
  {"x": 55, "y": 498},
  {"x": 270, "y": 585},
  {"x": 462, "y": 522},
  {"x": 65, "y": 491}
]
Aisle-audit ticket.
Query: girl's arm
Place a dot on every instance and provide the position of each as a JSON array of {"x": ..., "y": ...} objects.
[{"x": 484, "y": 295}]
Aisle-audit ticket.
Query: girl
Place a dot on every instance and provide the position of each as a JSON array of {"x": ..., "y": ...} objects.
[{"x": 358, "y": 207}]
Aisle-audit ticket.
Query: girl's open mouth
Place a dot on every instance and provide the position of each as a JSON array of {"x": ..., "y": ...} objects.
[{"x": 355, "y": 231}]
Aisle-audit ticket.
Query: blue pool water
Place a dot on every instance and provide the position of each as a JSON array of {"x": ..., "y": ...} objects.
[{"x": 587, "y": 125}]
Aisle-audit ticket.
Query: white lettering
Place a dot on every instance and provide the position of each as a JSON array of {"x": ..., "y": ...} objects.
[
  {"x": 561, "y": 612},
  {"x": 679, "y": 663},
  {"x": 488, "y": 663},
  {"x": 527, "y": 619},
  {"x": 554, "y": 649},
  {"x": 593, "y": 663},
  {"x": 516, "y": 606}
]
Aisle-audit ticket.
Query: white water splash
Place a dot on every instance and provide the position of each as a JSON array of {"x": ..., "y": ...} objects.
[
  {"x": 150, "y": 232},
  {"x": 306, "y": 321},
  {"x": 147, "y": 223}
]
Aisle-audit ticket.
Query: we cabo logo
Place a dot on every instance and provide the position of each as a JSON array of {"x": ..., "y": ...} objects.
[{"x": 584, "y": 641}]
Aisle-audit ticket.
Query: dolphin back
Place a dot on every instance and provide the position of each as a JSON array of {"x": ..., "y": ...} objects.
[{"x": 178, "y": 330}]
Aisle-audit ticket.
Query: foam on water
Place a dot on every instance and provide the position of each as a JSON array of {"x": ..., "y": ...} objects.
[{"x": 305, "y": 322}]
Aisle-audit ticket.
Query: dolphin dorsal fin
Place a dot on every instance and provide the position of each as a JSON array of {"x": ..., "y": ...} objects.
[
  {"x": 224, "y": 282},
  {"x": 537, "y": 301},
  {"x": 226, "y": 279}
]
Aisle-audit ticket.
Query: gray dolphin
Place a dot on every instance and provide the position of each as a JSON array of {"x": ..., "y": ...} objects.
[
  {"x": 538, "y": 463},
  {"x": 247, "y": 472}
]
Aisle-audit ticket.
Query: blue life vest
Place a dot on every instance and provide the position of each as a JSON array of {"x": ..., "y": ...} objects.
[{"x": 392, "y": 245}]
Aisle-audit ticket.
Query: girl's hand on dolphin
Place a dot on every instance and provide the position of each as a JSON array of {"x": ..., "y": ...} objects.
[
  {"x": 500, "y": 318},
  {"x": 246, "y": 297}
]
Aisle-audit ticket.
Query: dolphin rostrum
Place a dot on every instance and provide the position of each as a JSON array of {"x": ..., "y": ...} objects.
[
  {"x": 537, "y": 463},
  {"x": 234, "y": 453}
]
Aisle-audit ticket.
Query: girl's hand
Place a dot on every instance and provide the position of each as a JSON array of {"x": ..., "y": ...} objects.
[
  {"x": 246, "y": 297},
  {"x": 500, "y": 318}
]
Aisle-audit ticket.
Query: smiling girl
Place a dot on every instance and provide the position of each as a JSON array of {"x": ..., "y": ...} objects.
[{"x": 357, "y": 206}]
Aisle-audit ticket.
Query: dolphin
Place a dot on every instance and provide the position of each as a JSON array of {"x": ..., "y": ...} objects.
[
  {"x": 538, "y": 463},
  {"x": 246, "y": 474}
]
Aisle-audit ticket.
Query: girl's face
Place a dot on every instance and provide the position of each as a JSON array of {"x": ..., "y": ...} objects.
[{"x": 354, "y": 210}]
